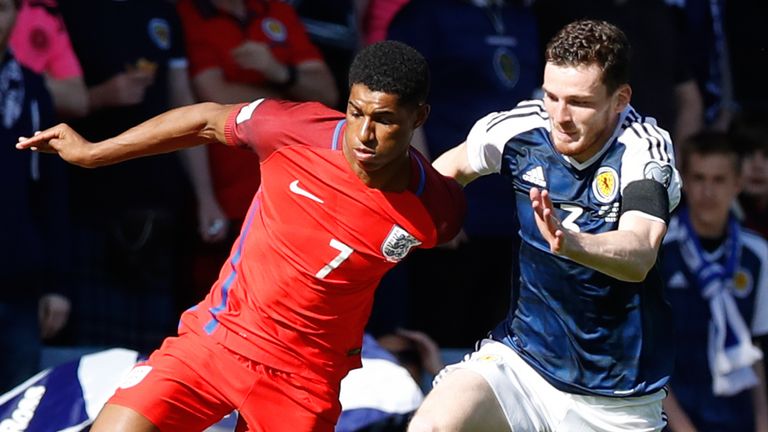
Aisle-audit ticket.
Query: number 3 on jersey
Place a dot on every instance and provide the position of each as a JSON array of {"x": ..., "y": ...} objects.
[
  {"x": 344, "y": 253},
  {"x": 573, "y": 213}
]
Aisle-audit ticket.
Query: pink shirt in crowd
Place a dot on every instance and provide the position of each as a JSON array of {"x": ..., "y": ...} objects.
[{"x": 40, "y": 42}]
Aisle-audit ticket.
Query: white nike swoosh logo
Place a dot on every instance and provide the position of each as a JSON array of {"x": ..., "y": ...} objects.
[{"x": 295, "y": 188}]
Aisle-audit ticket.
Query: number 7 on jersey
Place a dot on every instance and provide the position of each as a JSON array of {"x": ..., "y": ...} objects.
[{"x": 344, "y": 253}]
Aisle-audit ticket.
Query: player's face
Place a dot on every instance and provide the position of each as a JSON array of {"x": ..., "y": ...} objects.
[
  {"x": 379, "y": 129},
  {"x": 755, "y": 169},
  {"x": 7, "y": 18},
  {"x": 582, "y": 112},
  {"x": 711, "y": 185}
]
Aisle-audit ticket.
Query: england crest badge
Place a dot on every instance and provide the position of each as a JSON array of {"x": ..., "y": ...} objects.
[{"x": 397, "y": 244}]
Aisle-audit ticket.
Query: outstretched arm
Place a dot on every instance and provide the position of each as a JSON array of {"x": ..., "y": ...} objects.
[
  {"x": 175, "y": 129},
  {"x": 627, "y": 253}
]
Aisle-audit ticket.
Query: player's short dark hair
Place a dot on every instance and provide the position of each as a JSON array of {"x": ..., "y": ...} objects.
[
  {"x": 586, "y": 42},
  {"x": 392, "y": 67},
  {"x": 707, "y": 143}
]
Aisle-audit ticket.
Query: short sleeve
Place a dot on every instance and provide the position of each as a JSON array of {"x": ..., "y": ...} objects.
[
  {"x": 490, "y": 135},
  {"x": 266, "y": 125},
  {"x": 649, "y": 155}
]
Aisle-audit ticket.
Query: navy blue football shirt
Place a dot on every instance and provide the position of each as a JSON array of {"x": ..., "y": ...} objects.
[{"x": 584, "y": 331}]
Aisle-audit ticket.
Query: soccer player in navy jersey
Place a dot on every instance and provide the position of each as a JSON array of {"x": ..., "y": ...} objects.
[
  {"x": 342, "y": 200},
  {"x": 589, "y": 345}
]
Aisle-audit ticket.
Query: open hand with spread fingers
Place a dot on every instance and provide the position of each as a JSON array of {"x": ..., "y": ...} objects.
[{"x": 548, "y": 224}]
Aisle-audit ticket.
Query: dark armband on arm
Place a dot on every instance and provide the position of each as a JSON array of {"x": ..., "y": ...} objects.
[{"x": 647, "y": 196}]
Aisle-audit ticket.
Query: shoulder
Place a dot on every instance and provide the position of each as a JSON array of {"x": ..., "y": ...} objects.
[
  {"x": 269, "y": 124},
  {"x": 647, "y": 153},
  {"x": 490, "y": 135},
  {"x": 756, "y": 243},
  {"x": 642, "y": 137},
  {"x": 287, "y": 111},
  {"x": 503, "y": 125}
]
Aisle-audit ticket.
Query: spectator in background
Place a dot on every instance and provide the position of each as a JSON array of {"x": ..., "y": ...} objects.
[
  {"x": 716, "y": 275},
  {"x": 239, "y": 51},
  {"x": 40, "y": 42},
  {"x": 664, "y": 85},
  {"x": 334, "y": 27},
  {"x": 33, "y": 238},
  {"x": 750, "y": 134},
  {"x": 415, "y": 351},
  {"x": 129, "y": 218},
  {"x": 483, "y": 56},
  {"x": 376, "y": 17}
]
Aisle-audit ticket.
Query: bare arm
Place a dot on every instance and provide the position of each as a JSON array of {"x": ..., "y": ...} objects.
[
  {"x": 627, "y": 253},
  {"x": 759, "y": 398},
  {"x": 690, "y": 111},
  {"x": 173, "y": 130},
  {"x": 314, "y": 82},
  {"x": 678, "y": 419},
  {"x": 211, "y": 85},
  {"x": 212, "y": 222},
  {"x": 70, "y": 96},
  {"x": 454, "y": 164}
]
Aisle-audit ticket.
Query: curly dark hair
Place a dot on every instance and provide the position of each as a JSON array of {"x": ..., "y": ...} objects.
[
  {"x": 392, "y": 67},
  {"x": 587, "y": 42}
]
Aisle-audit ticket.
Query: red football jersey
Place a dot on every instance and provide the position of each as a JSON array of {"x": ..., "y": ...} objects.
[{"x": 298, "y": 288}]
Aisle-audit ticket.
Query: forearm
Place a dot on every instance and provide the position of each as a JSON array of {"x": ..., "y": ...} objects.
[
  {"x": 195, "y": 162},
  {"x": 173, "y": 130},
  {"x": 677, "y": 418},
  {"x": 314, "y": 83},
  {"x": 70, "y": 97},
  {"x": 760, "y": 400},
  {"x": 230, "y": 92},
  {"x": 626, "y": 254},
  {"x": 690, "y": 116}
]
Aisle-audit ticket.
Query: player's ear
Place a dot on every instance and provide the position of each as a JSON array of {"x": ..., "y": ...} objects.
[
  {"x": 622, "y": 97},
  {"x": 422, "y": 112}
]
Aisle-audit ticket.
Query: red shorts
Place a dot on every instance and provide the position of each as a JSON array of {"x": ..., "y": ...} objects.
[{"x": 192, "y": 382}]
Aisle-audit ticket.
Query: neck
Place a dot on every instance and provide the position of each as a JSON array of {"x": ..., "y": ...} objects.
[
  {"x": 709, "y": 230},
  {"x": 395, "y": 177}
]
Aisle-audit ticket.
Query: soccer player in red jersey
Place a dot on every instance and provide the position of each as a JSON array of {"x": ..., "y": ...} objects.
[{"x": 342, "y": 200}]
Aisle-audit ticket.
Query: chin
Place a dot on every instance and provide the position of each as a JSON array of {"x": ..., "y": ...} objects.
[{"x": 569, "y": 149}]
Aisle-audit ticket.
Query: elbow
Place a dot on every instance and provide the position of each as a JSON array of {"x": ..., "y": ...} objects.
[{"x": 639, "y": 269}]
